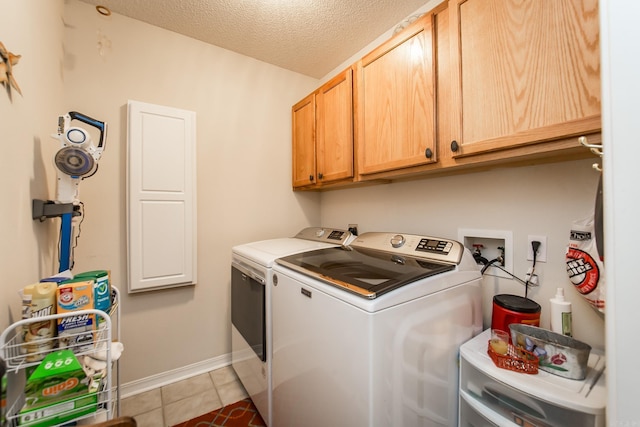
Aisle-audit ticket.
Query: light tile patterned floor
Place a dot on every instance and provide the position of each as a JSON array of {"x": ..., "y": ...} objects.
[{"x": 184, "y": 400}]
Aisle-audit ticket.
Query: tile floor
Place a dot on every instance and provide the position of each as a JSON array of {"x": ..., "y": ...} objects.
[{"x": 184, "y": 400}]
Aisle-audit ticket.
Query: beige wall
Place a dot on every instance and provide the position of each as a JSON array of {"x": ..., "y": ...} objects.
[
  {"x": 243, "y": 179},
  {"x": 243, "y": 158},
  {"x": 33, "y": 29}
]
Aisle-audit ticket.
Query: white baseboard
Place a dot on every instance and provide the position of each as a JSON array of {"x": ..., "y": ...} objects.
[{"x": 149, "y": 383}]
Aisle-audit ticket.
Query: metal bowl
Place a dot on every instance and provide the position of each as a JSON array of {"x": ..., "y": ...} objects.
[{"x": 558, "y": 354}]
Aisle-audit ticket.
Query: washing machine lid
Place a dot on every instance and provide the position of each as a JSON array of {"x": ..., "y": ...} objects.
[{"x": 364, "y": 272}]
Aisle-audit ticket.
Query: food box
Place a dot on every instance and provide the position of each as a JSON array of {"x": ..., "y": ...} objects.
[
  {"x": 57, "y": 391},
  {"x": 557, "y": 354},
  {"x": 76, "y": 332}
]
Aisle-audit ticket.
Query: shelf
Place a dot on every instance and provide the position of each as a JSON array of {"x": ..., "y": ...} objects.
[{"x": 105, "y": 401}]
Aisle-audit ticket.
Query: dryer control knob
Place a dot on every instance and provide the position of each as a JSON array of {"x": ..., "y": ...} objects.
[
  {"x": 319, "y": 232},
  {"x": 397, "y": 240}
]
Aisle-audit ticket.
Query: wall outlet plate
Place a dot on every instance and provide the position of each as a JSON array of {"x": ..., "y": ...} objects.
[{"x": 491, "y": 240}]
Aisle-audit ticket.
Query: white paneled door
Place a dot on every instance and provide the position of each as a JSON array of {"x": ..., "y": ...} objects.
[{"x": 161, "y": 214}]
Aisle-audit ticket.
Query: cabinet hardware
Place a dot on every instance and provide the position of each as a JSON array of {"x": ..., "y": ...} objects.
[
  {"x": 428, "y": 153},
  {"x": 311, "y": 178},
  {"x": 320, "y": 176},
  {"x": 454, "y": 146}
]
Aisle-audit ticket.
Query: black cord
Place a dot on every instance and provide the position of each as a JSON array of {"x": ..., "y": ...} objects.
[
  {"x": 488, "y": 264},
  {"x": 492, "y": 263},
  {"x": 534, "y": 245},
  {"x": 480, "y": 259}
]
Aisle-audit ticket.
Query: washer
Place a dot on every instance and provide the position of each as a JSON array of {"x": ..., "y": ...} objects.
[
  {"x": 251, "y": 308},
  {"x": 368, "y": 335}
]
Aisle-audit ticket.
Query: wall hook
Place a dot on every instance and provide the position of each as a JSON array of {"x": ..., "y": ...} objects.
[{"x": 595, "y": 148}]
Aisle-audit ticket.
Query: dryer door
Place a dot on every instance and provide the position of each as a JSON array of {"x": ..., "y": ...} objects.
[{"x": 248, "y": 309}]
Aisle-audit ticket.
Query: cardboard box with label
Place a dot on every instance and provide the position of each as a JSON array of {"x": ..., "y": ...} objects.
[
  {"x": 57, "y": 391},
  {"x": 76, "y": 332}
]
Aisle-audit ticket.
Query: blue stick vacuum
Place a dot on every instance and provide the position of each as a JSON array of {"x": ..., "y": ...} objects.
[{"x": 75, "y": 161}]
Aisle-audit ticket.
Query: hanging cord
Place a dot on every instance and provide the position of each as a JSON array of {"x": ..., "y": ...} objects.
[
  {"x": 534, "y": 245},
  {"x": 481, "y": 260},
  {"x": 501, "y": 268}
]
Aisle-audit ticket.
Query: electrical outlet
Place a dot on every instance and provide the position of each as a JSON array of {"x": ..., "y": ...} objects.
[
  {"x": 542, "y": 250},
  {"x": 532, "y": 279},
  {"x": 492, "y": 244}
]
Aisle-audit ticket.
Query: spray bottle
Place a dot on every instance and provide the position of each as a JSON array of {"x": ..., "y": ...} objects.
[{"x": 560, "y": 313}]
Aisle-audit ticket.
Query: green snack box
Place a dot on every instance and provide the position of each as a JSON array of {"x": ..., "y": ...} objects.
[{"x": 57, "y": 391}]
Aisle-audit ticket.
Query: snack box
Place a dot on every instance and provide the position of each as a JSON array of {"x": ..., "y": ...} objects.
[
  {"x": 57, "y": 391},
  {"x": 76, "y": 332}
]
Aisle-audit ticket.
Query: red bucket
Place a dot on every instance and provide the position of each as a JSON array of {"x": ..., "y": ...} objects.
[{"x": 509, "y": 309}]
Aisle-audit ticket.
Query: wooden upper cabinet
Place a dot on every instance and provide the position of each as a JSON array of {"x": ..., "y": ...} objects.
[
  {"x": 323, "y": 134},
  {"x": 303, "y": 119},
  {"x": 523, "y": 72},
  {"x": 334, "y": 127},
  {"x": 395, "y": 108}
]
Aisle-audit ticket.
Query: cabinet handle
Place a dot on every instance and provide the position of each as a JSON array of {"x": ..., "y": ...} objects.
[
  {"x": 311, "y": 178},
  {"x": 320, "y": 176},
  {"x": 454, "y": 146},
  {"x": 428, "y": 153}
]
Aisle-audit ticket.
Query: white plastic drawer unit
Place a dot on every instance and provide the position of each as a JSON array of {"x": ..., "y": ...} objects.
[{"x": 491, "y": 396}]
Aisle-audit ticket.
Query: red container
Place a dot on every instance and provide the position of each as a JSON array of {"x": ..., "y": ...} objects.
[{"x": 509, "y": 309}]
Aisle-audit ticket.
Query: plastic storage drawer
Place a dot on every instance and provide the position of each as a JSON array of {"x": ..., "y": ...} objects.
[{"x": 493, "y": 396}]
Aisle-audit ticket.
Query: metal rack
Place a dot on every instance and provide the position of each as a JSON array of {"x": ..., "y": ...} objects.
[{"x": 18, "y": 363}]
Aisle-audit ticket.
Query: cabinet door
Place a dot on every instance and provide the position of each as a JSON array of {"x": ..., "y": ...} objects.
[
  {"x": 304, "y": 145},
  {"x": 334, "y": 126},
  {"x": 161, "y": 197},
  {"x": 523, "y": 72},
  {"x": 396, "y": 102}
]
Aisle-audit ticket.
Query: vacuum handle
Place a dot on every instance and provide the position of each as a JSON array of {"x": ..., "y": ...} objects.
[{"x": 101, "y": 126}]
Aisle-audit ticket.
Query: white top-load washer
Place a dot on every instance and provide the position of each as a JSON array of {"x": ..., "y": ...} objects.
[
  {"x": 368, "y": 335},
  {"x": 251, "y": 305}
]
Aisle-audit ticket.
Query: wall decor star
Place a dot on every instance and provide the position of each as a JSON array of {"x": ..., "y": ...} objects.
[{"x": 7, "y": 61}]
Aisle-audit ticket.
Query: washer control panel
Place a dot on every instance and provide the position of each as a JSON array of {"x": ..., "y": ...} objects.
[
  {"x": 432, "y": 248},
  {"x": 437, "y": 246}
]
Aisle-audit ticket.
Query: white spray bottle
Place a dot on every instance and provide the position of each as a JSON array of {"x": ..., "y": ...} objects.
[{"x": 560, "y": 313}]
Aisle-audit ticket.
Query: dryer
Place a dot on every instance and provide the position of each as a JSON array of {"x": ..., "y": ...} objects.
[
  {"x": 368, "y": 335},
  {"x": 251, "y": 272}
]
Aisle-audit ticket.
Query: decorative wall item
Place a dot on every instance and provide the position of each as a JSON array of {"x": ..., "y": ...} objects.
[{"x": 7, "y": 61}]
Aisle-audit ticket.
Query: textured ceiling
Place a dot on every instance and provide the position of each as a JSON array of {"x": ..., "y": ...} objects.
[{"x": 311, "y": 37}]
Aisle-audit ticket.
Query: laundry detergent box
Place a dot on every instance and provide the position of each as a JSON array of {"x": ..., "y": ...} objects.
[
  {"x": 101, "y": 289},
  {"x": 76, "y": 332},
  {"x": 57, "y": 391}
]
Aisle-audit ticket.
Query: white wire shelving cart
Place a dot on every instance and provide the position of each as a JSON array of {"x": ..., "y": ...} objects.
[{"x": 19, "y": 364}]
